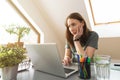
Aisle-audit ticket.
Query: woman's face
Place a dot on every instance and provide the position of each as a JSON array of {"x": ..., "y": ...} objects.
[{"x": 73, "y": 25}]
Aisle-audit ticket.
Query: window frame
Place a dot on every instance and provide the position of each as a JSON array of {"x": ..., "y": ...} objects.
[{"x": 92, "y": 14}]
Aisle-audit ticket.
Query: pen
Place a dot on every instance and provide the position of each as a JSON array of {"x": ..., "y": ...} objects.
[
  {"x": 116, "y": 64},
  {"x": 78, "y": 58}
]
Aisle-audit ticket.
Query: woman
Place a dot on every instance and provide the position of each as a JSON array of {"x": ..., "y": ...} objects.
[{"x": 79, "y": 38}]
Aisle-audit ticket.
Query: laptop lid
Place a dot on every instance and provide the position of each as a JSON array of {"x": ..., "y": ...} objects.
[{"x": 45, "y": 58}]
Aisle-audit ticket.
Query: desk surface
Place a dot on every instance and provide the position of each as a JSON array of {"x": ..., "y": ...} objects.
[
  {"x": 37, "y": 75},
  {"x": 31, "y": 74}
]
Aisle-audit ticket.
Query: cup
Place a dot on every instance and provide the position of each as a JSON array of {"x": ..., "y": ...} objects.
[
  {"x": 102, "y": 67},
  {"x": 84, "y": 67},
  {"x": 84, "y": 70}
]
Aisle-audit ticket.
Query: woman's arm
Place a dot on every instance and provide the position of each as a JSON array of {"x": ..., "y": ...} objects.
[
  {"x": 89, "y": 50},
  {"x": 68, "y": 53},
  {"x": 67, "y": 57}
]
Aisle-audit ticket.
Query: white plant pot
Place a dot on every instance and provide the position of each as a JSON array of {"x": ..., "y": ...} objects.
[{"x": 9, "y": 73}]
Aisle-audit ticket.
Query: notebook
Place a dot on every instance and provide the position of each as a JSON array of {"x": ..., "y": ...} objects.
[
  {"x": 115, "y": 66},
  {"x": 46, "y": 58}
]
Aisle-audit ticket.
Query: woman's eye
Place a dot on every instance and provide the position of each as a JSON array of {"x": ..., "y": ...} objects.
[{"x": 73, "y": 24}]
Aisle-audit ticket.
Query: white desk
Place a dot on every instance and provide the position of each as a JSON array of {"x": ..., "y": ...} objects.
[{"x": 37, "y": 75}]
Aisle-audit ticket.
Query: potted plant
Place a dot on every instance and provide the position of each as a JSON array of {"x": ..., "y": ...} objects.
[
  {"x": 10, "y": 56},
  {"x": 13, "y": 53},
  {"x": 19, "y": 30}
]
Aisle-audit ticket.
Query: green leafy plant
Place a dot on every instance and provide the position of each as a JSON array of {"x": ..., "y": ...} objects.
[
  {"x": 11, "y": 55},
  {"x": 19, "y": 30}
]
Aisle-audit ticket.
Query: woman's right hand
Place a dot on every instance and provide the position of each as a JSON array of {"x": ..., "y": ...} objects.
[
  {"x": 67, "y": 61},
  {"x": 79, "y": 33}
]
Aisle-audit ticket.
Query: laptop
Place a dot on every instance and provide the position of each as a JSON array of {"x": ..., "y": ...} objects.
[{"x": 46, "y": 58}]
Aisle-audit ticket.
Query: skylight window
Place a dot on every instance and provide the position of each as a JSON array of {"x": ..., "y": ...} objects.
[{"x": 105, "y": 11}]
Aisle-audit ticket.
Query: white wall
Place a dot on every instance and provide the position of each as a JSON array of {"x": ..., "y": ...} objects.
[{"x": 109, "y": 46}]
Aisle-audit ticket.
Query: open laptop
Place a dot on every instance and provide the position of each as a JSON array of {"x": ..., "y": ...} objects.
[{"x": 45, "y": 57}]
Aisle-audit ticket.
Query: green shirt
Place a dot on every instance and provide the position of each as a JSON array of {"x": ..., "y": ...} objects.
[{"x": 92, "y": 42}]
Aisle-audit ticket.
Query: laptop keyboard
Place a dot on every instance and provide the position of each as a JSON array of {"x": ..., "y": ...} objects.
[{"x": 68, "y": 70}]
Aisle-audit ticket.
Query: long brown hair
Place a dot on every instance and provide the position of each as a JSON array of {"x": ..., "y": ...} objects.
[{"x": 86, "y": 31}]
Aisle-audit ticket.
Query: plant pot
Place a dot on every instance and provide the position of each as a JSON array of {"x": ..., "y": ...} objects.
[
  {"x": 9, "y": 73},
  {"x": 20, "y": 44}
]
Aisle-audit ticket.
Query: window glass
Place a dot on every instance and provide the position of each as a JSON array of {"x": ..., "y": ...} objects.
[
  {"x": 9, "y": 16},
  {"x": 105, "y": 11}
]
